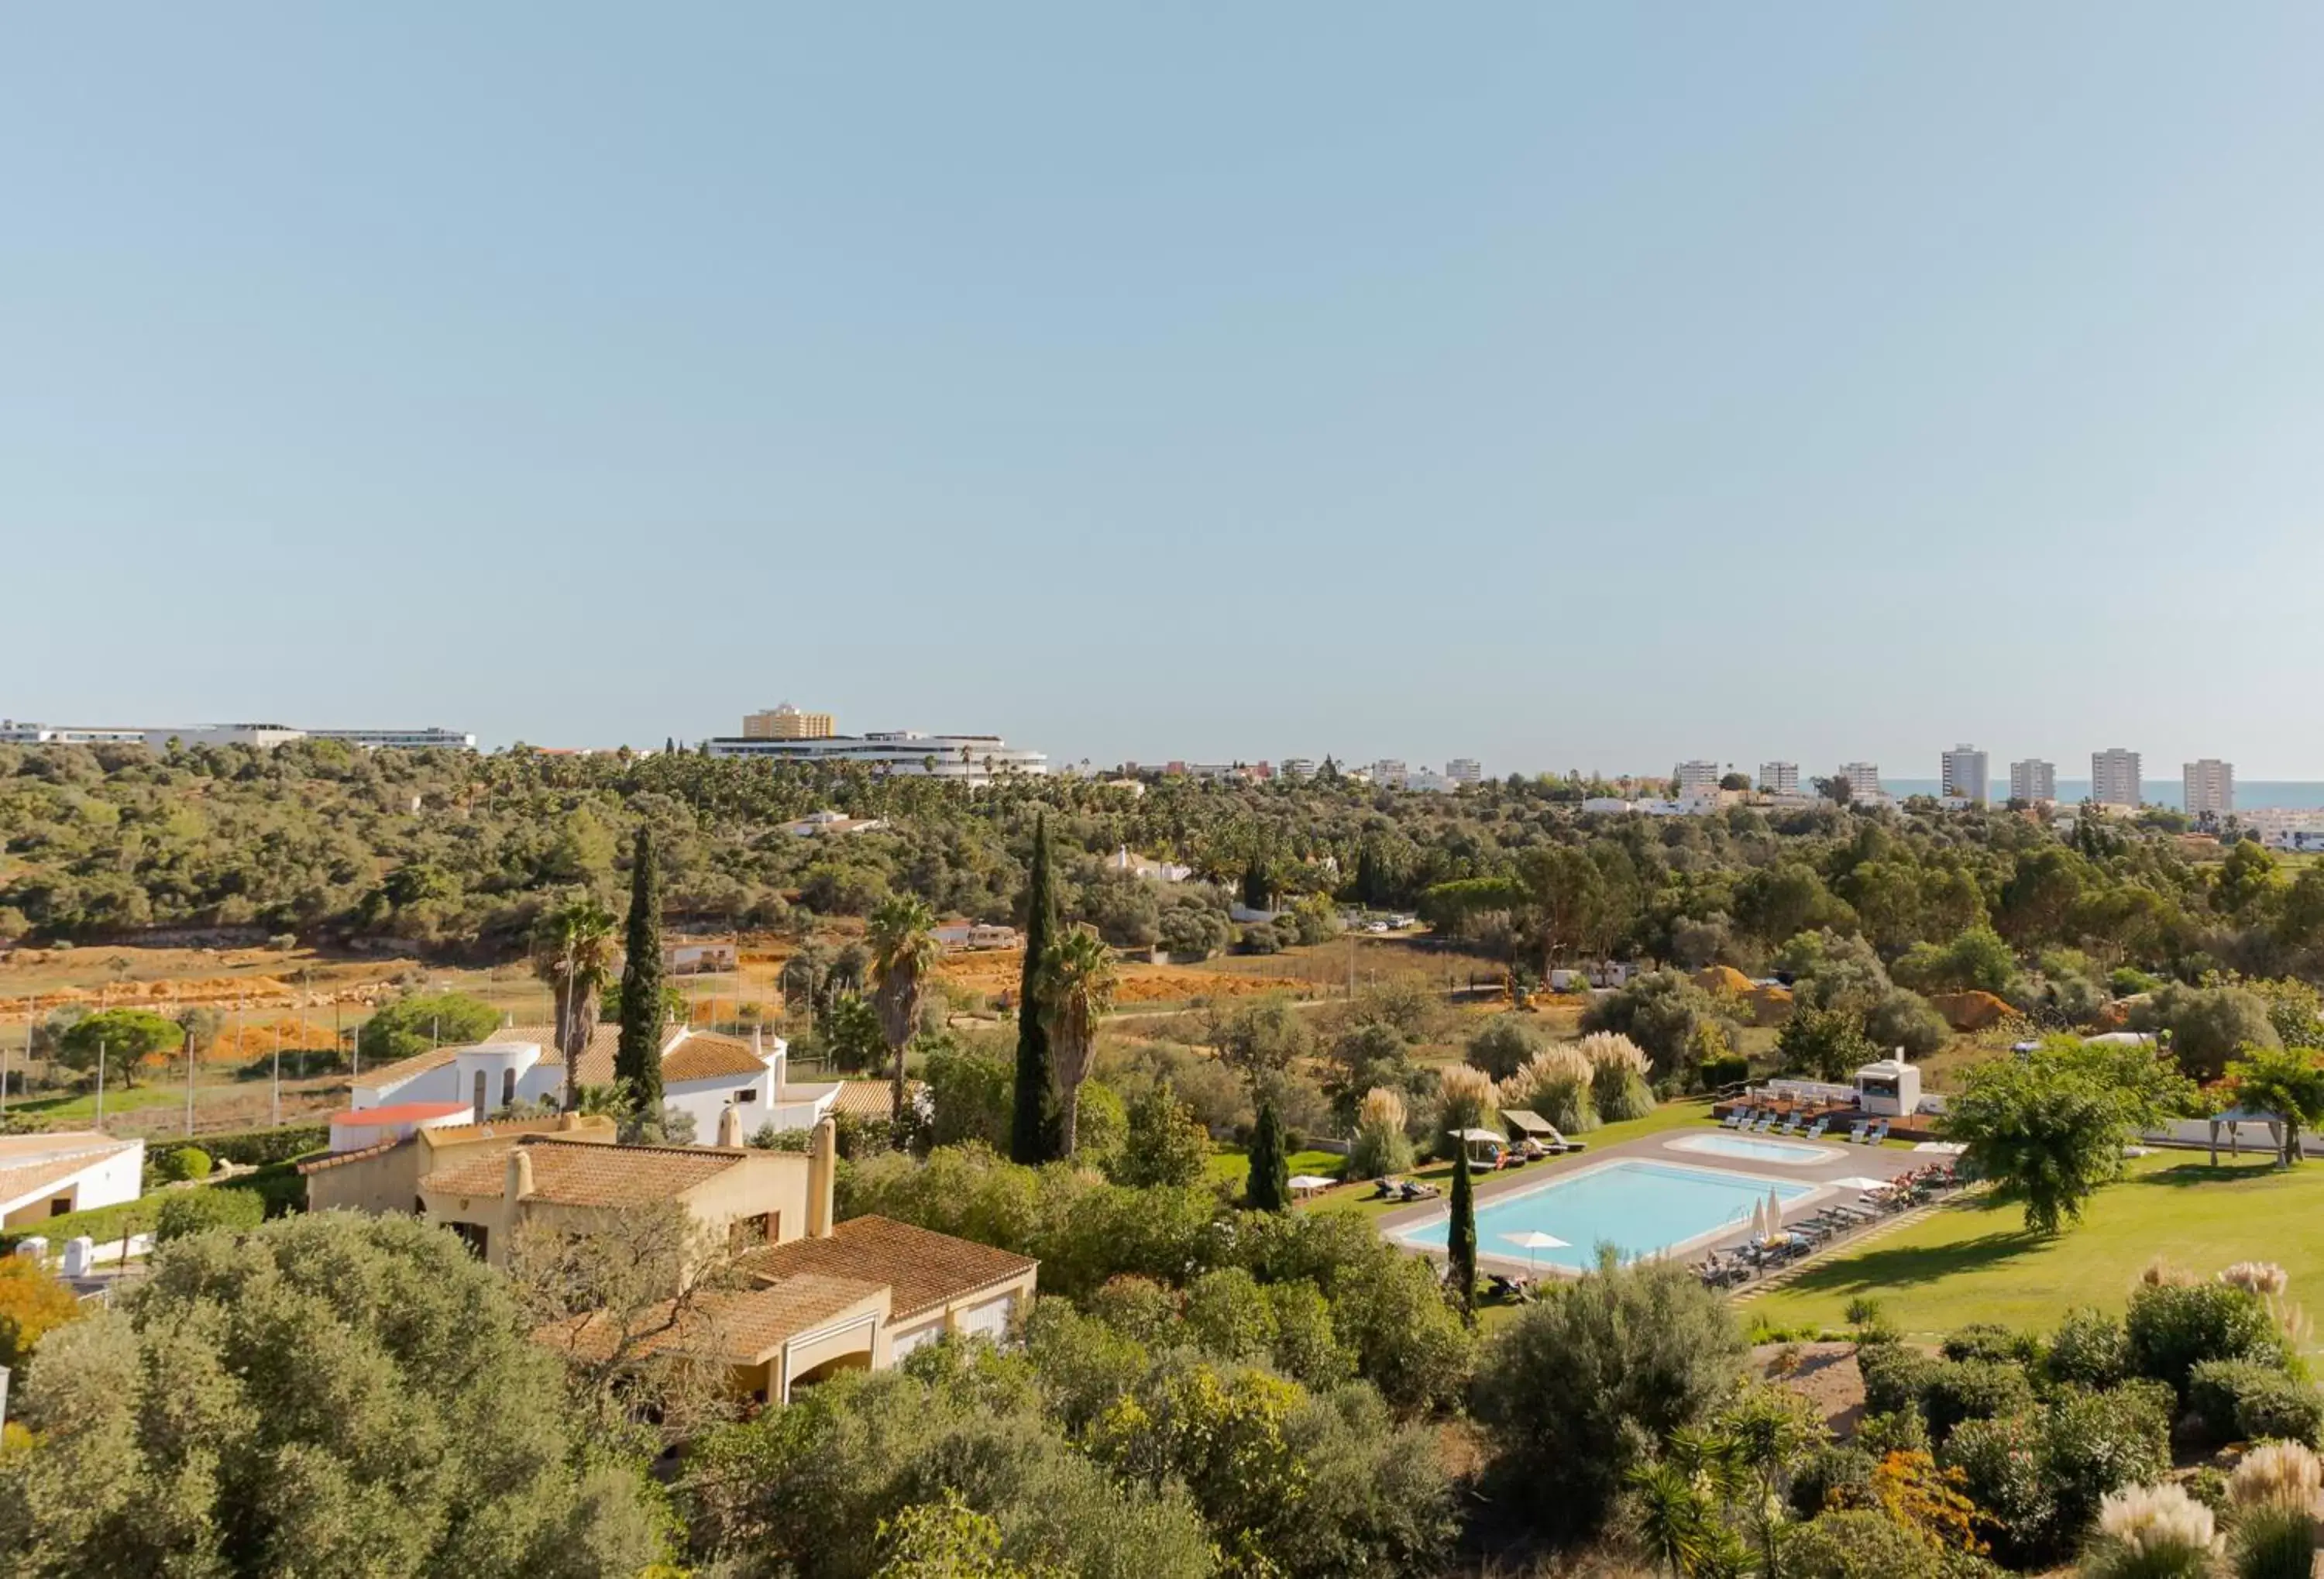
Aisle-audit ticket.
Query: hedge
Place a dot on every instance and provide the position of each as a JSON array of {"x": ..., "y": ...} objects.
[
  {"x": 257, "y": 1147},
  {"x": 279, "y": 1186},
  {"x": 2240, "y": 1400},
  {"x": 190, "y": 1212}
]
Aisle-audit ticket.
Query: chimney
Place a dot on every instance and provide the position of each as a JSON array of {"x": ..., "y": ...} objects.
[
  {"x": 822, "y": 1173},
  {"x": 519, "y": 1182},
  {"x": 568, "y": 1119},
  {"x": 730, "y": 1127}
]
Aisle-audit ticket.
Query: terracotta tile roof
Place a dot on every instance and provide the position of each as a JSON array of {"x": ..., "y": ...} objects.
[
  {"x": 586, "y": 1174},
  {"x": 740, "y": 1326},
  {"x": 398, "y": 1113},
  {"x": 710, "y": 1055},
  {"x": 34, "y": 1178},
  {"x": 449, "y": 1135},
  {"x": 868, "y": 1099},
  {"x": 923, "y": 1270},
  {"x": 341, "y": 1159}
]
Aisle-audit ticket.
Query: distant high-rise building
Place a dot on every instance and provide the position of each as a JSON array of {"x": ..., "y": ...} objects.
[
  {"x": 2210, "y": 786},
  {"x": 1697, "y": 778},
  {"x": 1863, "y": 779},
  {"x": 1298, "y": 767},
  {"x": 2033, "y": 780},
  {"x": 1390, "y": 772},
  {"x": 2113, "y": 777},
  {"x": 1464, "y": 770},
  {"x": 1965, "y": 774},
  {"x": 788, "y": 723},
  {"x": 1779, "y": 777}
]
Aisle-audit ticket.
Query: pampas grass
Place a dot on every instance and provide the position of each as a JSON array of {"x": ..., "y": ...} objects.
[
  {"x": 2262, "y": 1278},
  {"x": 1380, "y": 1146},
  {"x": 1619, "y": 1068},
  {"x": 2152, "y": 1532},
  {"x": 1554, "y": 1083}
]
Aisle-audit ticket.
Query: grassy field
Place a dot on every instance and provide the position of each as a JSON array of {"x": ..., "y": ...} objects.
[{"x": 1972, "y": 1261}]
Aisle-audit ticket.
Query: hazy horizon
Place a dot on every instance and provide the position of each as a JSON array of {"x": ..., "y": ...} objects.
[{"x": 1550, "y": 387}]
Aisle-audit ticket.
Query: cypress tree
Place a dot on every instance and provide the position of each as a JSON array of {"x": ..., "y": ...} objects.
[
  {"x": 1461, "y": 1235},
  {"x": 1032, "y": 1137},
  {"x": 637, "y": 1059},
  {"x": 1269, "y": 1187}
]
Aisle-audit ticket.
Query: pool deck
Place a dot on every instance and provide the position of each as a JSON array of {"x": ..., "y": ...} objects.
[{"x": 1875, "y": 1162}]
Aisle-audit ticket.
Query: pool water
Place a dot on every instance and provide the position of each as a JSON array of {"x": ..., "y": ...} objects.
[
  {"x": 1752, "y": 1149},
  {"x": 1639, "y": 1206}
]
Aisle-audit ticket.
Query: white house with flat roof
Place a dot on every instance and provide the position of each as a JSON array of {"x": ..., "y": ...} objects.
[
  {"x": 703, "y": 1074},
  {"x": 47, "y": 1174}
]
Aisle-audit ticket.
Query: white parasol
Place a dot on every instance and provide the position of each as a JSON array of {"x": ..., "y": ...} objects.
[
  {"x": 1774, "y": 1214},
  {"x": 1534, "y": 1241}
]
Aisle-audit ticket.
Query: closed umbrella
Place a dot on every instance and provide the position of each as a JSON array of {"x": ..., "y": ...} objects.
[
  {"x": 1774, "y": 1214},
  {"x": 1758, "y": 1219},
  {"x": 1534, "y": 1240}
]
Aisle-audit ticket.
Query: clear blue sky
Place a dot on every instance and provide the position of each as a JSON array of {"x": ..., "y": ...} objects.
[{"x": 1557, "y": 385}]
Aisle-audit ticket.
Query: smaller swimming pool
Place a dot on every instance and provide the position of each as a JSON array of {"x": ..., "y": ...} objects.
[{"x": 1751, "y": 1149}]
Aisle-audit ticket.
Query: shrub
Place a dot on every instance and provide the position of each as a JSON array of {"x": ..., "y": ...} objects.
[
  {"x": 2000, "y": 1462},
  {"x": 1665, "y": 1012},
  {"x": 1973, "y": 1389},
  {"x": 2094, "y": 1444},
  {"x": 2274, "y": 1542},
  {"x": 1981, "y": 1340},
  {"x": 192, "y": 1211},
  {"x": 1902, "y": 1018},
  {"x": 2172, "y": 1328},
  {"x": 1503, "y": 1044},
  {"x": 1832, "y": 1475},
  {"x": 2089, "y": 1349},
  {"x": 1465, "y": 1100},
  {"x": 1606, "y": 1364},
  {"x": 181, "y": 1163},
  {"x": 2238, "y": 1400},
  {"x": 1896, "y": 1378},
  {"x": 33, "y": 1302},
  {"x": 1859, "y": 1543},
  {"x": 1724, "y": 1069}
]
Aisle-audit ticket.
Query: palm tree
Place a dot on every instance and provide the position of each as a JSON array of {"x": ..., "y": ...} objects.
[
  {"x": 573, "y": 950},
  {"x": 902, "y": 935},
  {"x": 1080, "y": 979}
]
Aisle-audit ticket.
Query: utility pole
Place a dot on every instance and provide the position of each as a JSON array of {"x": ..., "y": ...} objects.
[
  {"x": 277, "y": 1097},
  {"x": 189, "y": 1080},
  {"x": 100, "y": 1082}
]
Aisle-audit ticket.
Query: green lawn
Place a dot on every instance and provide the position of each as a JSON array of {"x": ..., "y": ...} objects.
[
  {"x": 1972, "y": 1260},
  {"x": 117, "y": 1099}
]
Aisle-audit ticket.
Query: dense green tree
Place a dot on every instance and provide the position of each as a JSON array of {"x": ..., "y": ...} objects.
[
  {"x": 1827, "y": 1044},
  {"x": 1460, "y": 1236},
  {"x": 1032, "y": 1136},
  {"x": 333, "y": 1394},
  {"x": 637, "y": 1056},
  {"x": 1165, "y": 1145},
  {"x": 125, "y": 1037},
  {"x": 411, "y": 1026},
  {"x": 2048, "y": 1128},
  {"x": 1268, "y": 1185},
  {"x": 2285, "y": 1081}
]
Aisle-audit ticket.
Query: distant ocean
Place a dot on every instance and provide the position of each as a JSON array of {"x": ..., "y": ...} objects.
[{"x": 2288, "y": 794}]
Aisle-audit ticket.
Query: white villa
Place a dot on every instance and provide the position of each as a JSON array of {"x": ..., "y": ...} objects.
[
  {"x": 45, "y": 1176},
  {"x": 703, "y": 1074}
]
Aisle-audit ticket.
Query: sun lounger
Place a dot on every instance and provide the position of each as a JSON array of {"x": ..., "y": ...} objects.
[
  {"x": 1817, "y": 1128},
  {"x": 1856, "y": 1131},
  {"x": 1879, "y": 1132},
  {"x": 1736, "y": 1120}
]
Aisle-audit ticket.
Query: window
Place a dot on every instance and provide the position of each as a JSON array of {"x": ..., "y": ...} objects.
[
  {"x": 475, "y": 1235},
  {"x": 477, "y": 1101},
  {"x": 508, "y": 1088},
  {"x": 749, "y": 1233},
  {"x": 748, "y": 1094}
]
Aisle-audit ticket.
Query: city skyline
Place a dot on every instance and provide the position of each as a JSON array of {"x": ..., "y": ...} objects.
[{"x": 1458, "y": 403}]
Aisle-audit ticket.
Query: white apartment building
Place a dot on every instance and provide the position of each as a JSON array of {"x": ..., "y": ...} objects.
[
  {"x": 2115, "y": 777},
  {"x": 1390, "y": 772},
  {"x": 1696, "y": 777},
  {"x": 1779, "y": 777},
  {"x": 1965, "y": 777},
  {"x": 1863, "y": 779},
  {"x": 2210, "y": 787},
  {"x": 1298, "y": 767},
  {"x": 264, "y": 736},
  {"x": 1464, "y": 770},
  {"x": 2033, "y": 782},
  {"x": 973, "y": 759}
]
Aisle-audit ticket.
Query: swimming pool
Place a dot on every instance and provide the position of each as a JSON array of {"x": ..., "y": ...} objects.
[
  {"x": 1637, "y": 1205},
  {"x": 1751, "y": 1149}
]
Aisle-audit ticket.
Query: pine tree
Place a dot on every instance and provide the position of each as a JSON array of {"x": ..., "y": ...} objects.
[
  {"x": 1461, "y": 1235},
  {"x": 637, "y": 1059},
  {"x": 1032, "y": 1130},
  {"x": 1269, "y": 1187}
]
